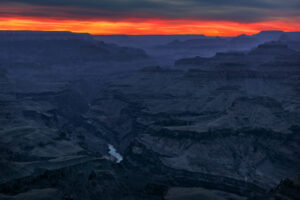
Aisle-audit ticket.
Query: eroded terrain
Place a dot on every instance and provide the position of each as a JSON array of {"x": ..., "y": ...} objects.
[{"x": 83, "y": 119}]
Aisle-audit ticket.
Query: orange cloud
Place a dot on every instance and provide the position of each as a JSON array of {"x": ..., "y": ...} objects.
[{"x": 146, "y": 27}]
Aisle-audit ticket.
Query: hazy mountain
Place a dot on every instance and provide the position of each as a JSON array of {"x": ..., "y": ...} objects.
[
  {"x": 42, "y": 35},
  {"x": 144, "y": 40},
  {"x": 260, "y": 55}
]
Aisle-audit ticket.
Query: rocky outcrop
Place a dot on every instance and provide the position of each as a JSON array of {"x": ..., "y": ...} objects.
[
  {"x": 287, "y": 189},
  {"x": 272, "y": 49}
]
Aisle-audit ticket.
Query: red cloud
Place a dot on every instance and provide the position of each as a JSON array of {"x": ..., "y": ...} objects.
[
  {"x": 144, "y": 27},
  {"x": 95, "y": 21}
]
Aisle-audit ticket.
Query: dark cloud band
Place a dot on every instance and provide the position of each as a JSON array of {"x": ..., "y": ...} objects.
[{"x": 232, "y": 10}]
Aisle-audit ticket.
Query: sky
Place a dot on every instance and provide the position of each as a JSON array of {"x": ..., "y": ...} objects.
[{"x": 146, "y": 17}]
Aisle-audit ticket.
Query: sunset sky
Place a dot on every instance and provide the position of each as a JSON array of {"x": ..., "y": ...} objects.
[{"x": 209, "y": 17}]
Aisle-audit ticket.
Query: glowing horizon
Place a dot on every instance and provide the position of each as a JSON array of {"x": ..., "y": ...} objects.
[
  {"x": 151, "y": 17},
  {"x": 145, "y": 27}
]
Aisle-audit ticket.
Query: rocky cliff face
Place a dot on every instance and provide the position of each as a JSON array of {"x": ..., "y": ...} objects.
[
  {"x": 287, "y": 189},
  {"x": 224, "y": 128},
  {"x": 212, "y": 117},
  {"x": 241, "y": 124}
]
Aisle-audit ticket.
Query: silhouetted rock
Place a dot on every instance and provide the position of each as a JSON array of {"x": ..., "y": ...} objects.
[{"x": 272, "y": 49}]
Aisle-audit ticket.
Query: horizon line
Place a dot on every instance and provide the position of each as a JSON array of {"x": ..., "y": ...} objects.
[{"x": 76, "y": 32}]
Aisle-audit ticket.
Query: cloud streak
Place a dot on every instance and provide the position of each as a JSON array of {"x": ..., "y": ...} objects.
[
  {"x": 233, "y": 10},
  {"x": 218, "y": 17},
  {"x": 166, "y": 27}
]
